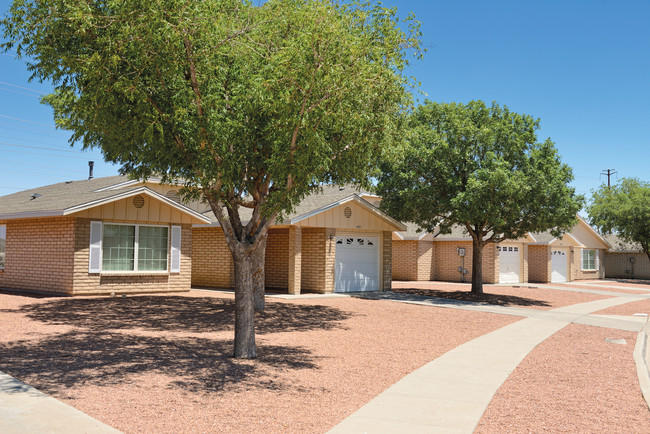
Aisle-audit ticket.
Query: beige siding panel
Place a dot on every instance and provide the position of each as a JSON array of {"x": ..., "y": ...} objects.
[
  {"x": 153, "y": 211},
  {"x": 335, "y": 218},
  {"x": 587, "y": 237}
]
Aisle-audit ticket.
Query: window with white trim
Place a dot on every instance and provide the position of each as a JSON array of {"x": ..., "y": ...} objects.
[
  {"x": 135, "y": 248},
  {"x": 588, "y": 259},
  {"x": 3, "y": 240}
]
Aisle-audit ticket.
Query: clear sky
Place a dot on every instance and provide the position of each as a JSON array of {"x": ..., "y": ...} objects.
[{"x": 582, "y": 67}]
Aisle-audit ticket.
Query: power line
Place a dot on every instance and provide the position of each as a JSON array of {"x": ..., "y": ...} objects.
[
  {"x": 38, "y": 147},
  {"x": 21, "y": 87},
  {"x": 29, "y": 122},
  {"x": 19, "y": 92}
]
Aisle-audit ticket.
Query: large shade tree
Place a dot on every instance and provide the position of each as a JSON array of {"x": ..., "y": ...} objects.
[
  {"x": 624, "y": 209},
  {"x": 252, "y": 107},
  {"x": 482, "y": 168}
]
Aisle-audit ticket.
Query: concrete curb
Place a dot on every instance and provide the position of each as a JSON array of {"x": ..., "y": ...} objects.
[{"x": 642, "y": 361}]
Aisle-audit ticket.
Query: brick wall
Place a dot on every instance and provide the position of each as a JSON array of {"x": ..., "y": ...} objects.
[
  {"x": 276, "y": 264},
  {"x": 577, "y": 273},
  {"x": 39, "y": 255},
  {"x": 426, "y": 261},
  {"x": 447, "y": 261},
  {"x": 313, "y": 259},
  {"x": 539, "y": 263},
  {"x": 212, "y": 263},
  {"x": 618, "y": 265},
  {"x": 387, "y": 260},
  {"x": 86, "y": 283},
  {"x": 405, "y": 260}
]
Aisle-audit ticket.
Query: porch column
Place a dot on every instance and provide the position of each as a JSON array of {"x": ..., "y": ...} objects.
[{"x": 295, "y": 259}]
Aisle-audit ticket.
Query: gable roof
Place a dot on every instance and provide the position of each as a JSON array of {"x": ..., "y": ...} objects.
[
  {"x": 67, "y": 198},
  {"x": 619, "y": 245},
  {"x": 546, "y": 237}
]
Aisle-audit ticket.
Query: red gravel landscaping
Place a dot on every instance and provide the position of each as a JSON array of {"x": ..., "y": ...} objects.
[
  {"x": 575, "y": 381},
  {"x": 537, "y": 297},
  {"x": 642, "y": 306},
  {"x": 161, "y": 363}
]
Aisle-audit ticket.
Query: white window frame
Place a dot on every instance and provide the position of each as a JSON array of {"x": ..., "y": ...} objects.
[
  {"x": 136, "y": 248},
  {"x": 4, "y": 252},
  {"x": 582, "y": 259}
]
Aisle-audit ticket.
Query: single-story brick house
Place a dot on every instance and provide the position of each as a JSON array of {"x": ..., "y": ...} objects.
[
  {"x": 625, "y": 260},
  {"x": 448, "y": 257},
  {"x": 96, "y": 236},
  {"x": 576, "y": 255},
  {"x": 114, "y": 235},
  {"x": 334, "y": 241}
]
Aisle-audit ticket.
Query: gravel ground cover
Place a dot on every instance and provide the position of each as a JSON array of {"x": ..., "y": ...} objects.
[
  {"x": 161, "y": 363},
  {"x": 575, "y": 381},
  {"x": 642, "y": 306},
  {"x": 537, "y": 297}
]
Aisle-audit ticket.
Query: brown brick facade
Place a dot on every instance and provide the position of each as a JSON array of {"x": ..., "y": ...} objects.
[
  {"x": 40, "y": 255},
  {"x": 627, "y": 265},
  {"x": 212, "y": 263},
  {"x": 86, "y": 283},
  {"x": 313, "y": 260},
  {"x": 276, "y": 264},
  {"x": 405, "y": 260},
  {"x": 539, "y": 259},
  {"x": 577, "y": 273},
  {"x": 51, "y": 256},
  {"x": 387, "y": 260}
]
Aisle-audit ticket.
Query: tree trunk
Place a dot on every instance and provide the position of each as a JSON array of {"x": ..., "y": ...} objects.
[
  {"x": 245, "y": 266},
  {"x": 259, "y": 276},
  {"x": 477, "y": 267}
]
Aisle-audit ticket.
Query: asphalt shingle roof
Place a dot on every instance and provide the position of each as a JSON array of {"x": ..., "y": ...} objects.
[
  {"x": 61, "y": 196},
  {"x": 619, "y": 245}
]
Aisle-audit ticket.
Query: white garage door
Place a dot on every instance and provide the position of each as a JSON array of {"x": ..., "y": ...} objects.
[
  {"x": 509, "y": 264},
  {"x": 558, "y": 265},
  {"x": 357, "y": 264}
]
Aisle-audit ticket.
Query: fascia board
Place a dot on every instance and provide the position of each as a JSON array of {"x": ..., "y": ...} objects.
[
  {"x": 370, "y": 207},
  {"x": 130, "y": 193}
]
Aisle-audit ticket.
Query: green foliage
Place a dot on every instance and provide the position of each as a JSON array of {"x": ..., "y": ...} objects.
[
  {"x": 625, "y": 209},
  {"x": 482, "y": 168},
  {"x": 253, "y": 106}
]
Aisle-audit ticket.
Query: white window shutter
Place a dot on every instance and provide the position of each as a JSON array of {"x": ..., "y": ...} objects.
[
  {"x": 95, "y": 255},
  {"x": 175, "y": 266},
  {"x": 597, "y": 255}
]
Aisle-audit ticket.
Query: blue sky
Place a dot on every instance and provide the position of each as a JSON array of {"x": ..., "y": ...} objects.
[{"x": 582, "y": 67}]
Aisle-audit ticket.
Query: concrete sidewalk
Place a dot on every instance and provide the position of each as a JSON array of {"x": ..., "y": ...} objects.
[
  {"x": 451, "y": 393},
  {"x": 24, "y": 409}
]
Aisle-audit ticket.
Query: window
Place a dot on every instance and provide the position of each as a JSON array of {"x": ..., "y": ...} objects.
[
  {"x": 3, "y": 239},
  {"x": 134, "y": 248},
  {"x": 588, "y": 259}
]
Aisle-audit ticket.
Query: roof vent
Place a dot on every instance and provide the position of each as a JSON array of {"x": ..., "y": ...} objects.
[
  {"x": 173, "y": 195},
  {"x": 138, "y": 201},
  {"x": 347, "y": 212},
  {"x": 341, "y": 188},
  {"x": 35, "y": 196}
]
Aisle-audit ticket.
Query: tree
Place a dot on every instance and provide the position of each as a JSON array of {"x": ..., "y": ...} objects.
[
  {"x": 253, "y": 107},
  {"x": 482, "y": 168},
  {"x": 625, "y": 209}
]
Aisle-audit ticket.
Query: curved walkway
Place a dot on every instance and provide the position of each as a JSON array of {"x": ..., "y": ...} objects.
[{"x": 451, "y": 393}]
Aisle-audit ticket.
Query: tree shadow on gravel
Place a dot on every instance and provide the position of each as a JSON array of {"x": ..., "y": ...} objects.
[
  {"x": 72, "y": 359},
  {"x": 465, "y": 296},
  {"x": 178, "y": 313}
]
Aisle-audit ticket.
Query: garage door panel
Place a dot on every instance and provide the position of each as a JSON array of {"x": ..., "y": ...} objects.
[
  {"x": 357, "y": 264},
  {"x": 559, "y": 265},
  {"x": 509, "y": 264}
]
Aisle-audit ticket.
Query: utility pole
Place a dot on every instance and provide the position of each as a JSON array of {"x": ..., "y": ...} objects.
[{"x": 609, "y": 173}]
